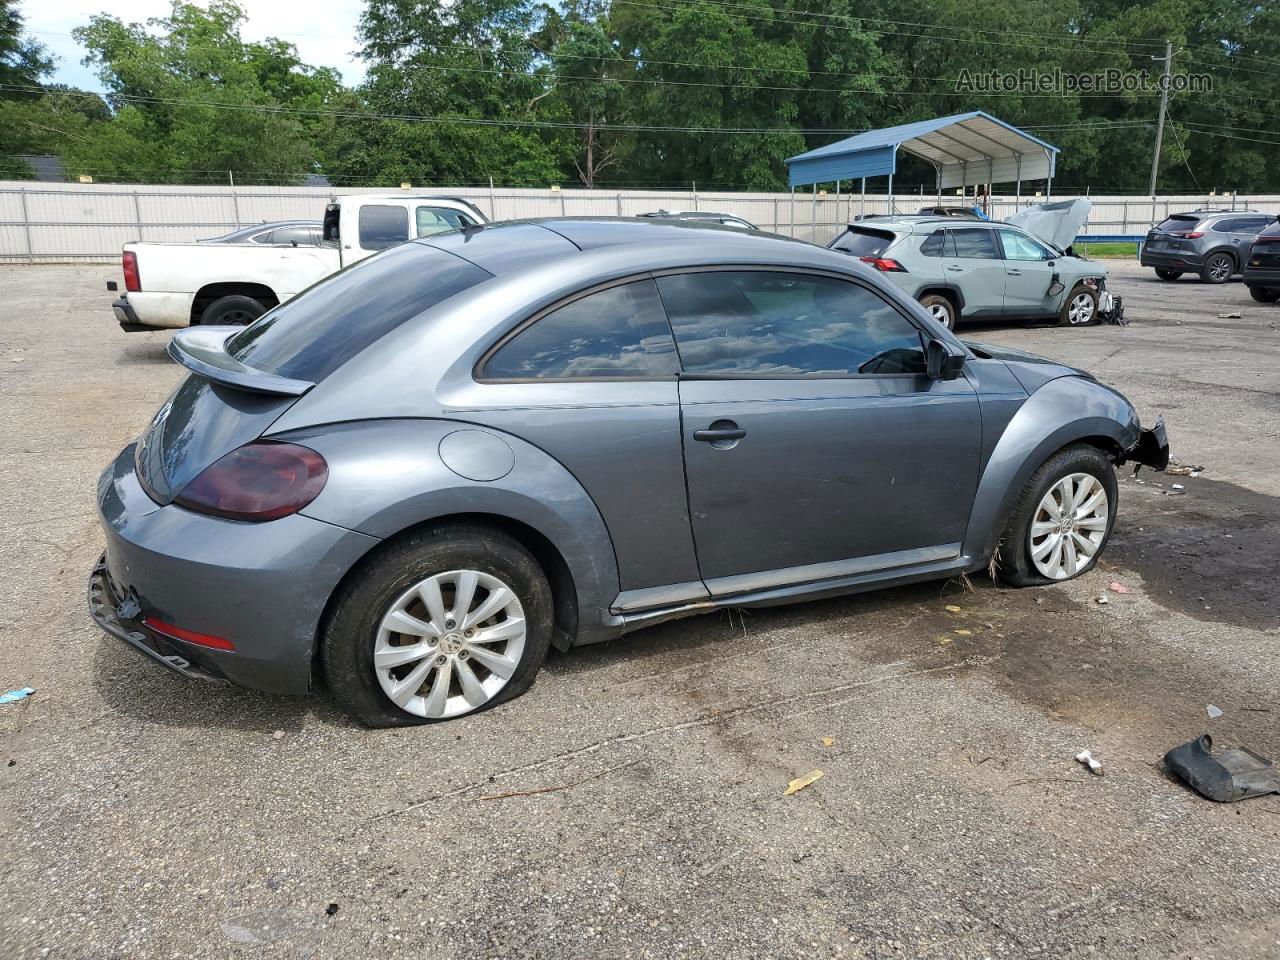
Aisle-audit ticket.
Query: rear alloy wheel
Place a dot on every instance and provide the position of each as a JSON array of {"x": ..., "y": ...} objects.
[
  {"x": 1081, "y": 307},
  {"x": 940, "y": 308},
  {"x": 1062, "y": 520},
  {"x": 1218, "y": 268},
  {"x": 441, "y": 623},
  {"x": 1265, "y": 294},
  {"x": 231, "y": 311},
  {"x": 1168, "y": 274}
]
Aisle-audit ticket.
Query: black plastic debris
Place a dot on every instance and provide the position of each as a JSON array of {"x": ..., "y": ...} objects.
[
  {"x": 331, "y": 909},
  {"x": 1225, "y": 776}
]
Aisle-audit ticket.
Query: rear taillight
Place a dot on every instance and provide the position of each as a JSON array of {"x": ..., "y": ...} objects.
[
  {"x": 130, "y": 264},
  {"x": 1189, "y": 235},
  {"x": 1267, "y": 238},
  {"x": 263, "y": 480},
  {"x": 884, "y": 264}
]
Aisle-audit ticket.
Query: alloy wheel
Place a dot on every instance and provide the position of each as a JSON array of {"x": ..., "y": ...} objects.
[
  {"x": 1081, "y": 309},
  {"x": 940, "y": 313},
  {"x": 1220, "y": 269},
  {"x": 1069, "y": 526},
  {"x": 449, "y": 644}
]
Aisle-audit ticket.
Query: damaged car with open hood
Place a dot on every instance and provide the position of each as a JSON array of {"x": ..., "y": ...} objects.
[
  {"x": 1019, "y": 268},
  {"x": 415, "y": 477}
]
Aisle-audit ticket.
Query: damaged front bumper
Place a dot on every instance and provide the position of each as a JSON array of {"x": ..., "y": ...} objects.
[{"x": 1151, "y": 450}]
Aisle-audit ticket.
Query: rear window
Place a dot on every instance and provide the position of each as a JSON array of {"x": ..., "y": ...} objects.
[
  {"x": 1273, "y": 230},
  {"x": 310, "y": 336},
  {"x": 862, "y": 243},
  {"x": 1179, "y": 221}
]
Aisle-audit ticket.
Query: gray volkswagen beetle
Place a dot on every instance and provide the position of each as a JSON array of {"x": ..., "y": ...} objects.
[{"x": 419, "y": 474}]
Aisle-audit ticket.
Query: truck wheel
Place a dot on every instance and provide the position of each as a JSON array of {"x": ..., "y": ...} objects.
[
  {"x": 1164, "y": 274},
  {"x": 1265, "y": 294},
  {"x": 1218, "y": 268},
  {"x": 235, "y": 310}
]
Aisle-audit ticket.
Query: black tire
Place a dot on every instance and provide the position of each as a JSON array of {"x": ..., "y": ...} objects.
[
  {"x": 229, "y": 311},
  {"x": 350, "y": 630},
  {"x": 935, "y": 303},
  {"x": 1064, "y": 316},
  {"x": 1164, "y": 274},
  {"x": 1218, "y": 268},
  {"x": 1265, "y": 294},
  {"x": 1014, "y": 565}
]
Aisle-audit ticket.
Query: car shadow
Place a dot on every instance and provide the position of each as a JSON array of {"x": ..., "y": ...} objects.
[{"x": 146, "y": 349}]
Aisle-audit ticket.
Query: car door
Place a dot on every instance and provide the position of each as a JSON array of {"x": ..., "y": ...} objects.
[
  {"x": 972, "y": 262},
  {"x": 814, "y": 445},
  {"x": 1244, "y": 230},
  {"x": 592, "y": 381},
  {"x": 1028, "y": 274}
]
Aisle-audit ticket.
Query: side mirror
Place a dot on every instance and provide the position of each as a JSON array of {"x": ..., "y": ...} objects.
[{"x": 943, "y": 361}]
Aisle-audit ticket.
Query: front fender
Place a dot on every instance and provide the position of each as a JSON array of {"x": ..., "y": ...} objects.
[
  {"x": 1061, "y": 412},
  {"x": 388, "y": 475}
]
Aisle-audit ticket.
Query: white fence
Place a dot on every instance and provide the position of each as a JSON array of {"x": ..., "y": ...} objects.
[{"x": 59, "y": 222}]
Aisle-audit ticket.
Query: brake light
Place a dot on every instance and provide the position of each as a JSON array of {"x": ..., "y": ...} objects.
[
  {"x": 260, "y": 481},
  {"x": 1267, "y": 238},
  {"x": 130, "y": 264},
  {"x": 190, "y": 636},
  {"x": 1189, "y": 234},
  {"x": 884, "y": 264}
]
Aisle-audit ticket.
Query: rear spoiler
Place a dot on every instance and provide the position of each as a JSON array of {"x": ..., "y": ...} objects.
[{"x": 203, "y": 350}]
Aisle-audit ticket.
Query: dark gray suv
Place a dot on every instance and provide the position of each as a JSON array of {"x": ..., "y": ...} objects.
[{"x": 1211, "y": 243}]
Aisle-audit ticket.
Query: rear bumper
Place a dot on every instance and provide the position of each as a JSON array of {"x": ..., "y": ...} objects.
[
  {"x": 1171, "y": 260},
  {"x": 150, "y": 311},
  {"x": 125, "y": 316},
  {"x": 262, "y": 586},
  {"x": 1258, "y": 277}
]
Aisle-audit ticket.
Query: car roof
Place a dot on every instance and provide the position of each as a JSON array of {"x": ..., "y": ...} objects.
[
  {"x": 918, "y": 223},
  {"x": 519, "y": 244}
]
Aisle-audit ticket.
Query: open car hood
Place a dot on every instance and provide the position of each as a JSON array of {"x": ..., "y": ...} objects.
[{"x": 1057, "y": 224}]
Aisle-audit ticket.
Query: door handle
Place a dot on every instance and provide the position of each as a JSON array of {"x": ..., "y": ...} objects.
[
  {"x": 956, "y": 269},
  {"x": 724, "y": 433},
  {"x": 1014, "y": 273}
]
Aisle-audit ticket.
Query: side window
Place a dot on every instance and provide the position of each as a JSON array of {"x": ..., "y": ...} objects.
[
  {"x": 1225, "y": 225},
  {"x": 617, "y": 332},
  {"x": 383, "y": 226},
  {"x": 302, "y": 236},
  {"x": 771, "y": 324},
  {"x": 431, "y": 220},
  {"x": 1251, "y": 224},
  {"x": 267, "y": 237},
  {"x": 972, "y": 243},
  {"x": 1018, "y": 246},
  {"x": 932, "y": 246}
]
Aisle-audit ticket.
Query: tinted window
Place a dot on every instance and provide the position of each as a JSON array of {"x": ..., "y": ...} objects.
[
  {"x": 1251, "y": 224},
  {"x": 1018, "y": 246},
  {"x": 972, "y": 244},
  {"x": 313, "y": 334},
  {"x": 1179, "y": 221},
  {"x": 266, "y": 237},
  {"x": 932, "y": 247},
  {"x": 862, "y": 243},
  {"x": 617, "y": 332},
  {"x": 1273, "y": 229},
  {"x": 431, "y": 220},
  {"x": 786, "y": 324},
  {"x": 302, "y": 236},
  {"x": 382, "y": 226},
  {"x": 1225, "y": 225}
]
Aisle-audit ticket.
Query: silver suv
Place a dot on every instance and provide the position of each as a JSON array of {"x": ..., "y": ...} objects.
[
  {"x": 961, "y": 270},
  {"x": 1212, "y": 243}
]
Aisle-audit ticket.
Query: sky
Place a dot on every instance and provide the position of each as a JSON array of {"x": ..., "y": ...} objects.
[{"x": 322, "y": 30}]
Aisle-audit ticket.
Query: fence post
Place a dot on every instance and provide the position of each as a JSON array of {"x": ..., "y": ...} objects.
[
  {"x": 619, "y": 203},
  {"x": 493, "y": 205},
  {"x": 562, "y": 202},
  {"x": 137, "y": 213},
  {"x": 694, "y": 184},
  {"x": 235, "y": 201},
  {"x": 26, "y": 225},
  {"x": 1124, "y": 225},
  {"x": 775, "y": 215}
]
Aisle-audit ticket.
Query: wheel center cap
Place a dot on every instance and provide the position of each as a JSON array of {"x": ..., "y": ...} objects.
[{"x": 450, "y": 643}]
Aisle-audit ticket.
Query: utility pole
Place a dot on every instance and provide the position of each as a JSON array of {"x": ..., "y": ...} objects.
[{"x": 1164, "y": 103}]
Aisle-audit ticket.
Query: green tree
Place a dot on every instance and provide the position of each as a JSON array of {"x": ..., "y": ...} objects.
[
  {"x": 197, "y": 100},
  {"x": 23, "y": 64}
]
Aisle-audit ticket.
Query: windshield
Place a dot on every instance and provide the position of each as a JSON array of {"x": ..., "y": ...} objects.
[{"x": 310, "y": 336}]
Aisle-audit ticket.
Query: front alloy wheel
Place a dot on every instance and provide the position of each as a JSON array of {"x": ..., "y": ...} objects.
[
  {"x": 1218, "y": 268},
  {"x": 1069, "y": 526},
  {"x": 1081, "y": 308},
  {"x": 449, "y": 644}
]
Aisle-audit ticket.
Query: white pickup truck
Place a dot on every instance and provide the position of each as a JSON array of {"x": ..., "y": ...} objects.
[{"x": 183, "y": 284}]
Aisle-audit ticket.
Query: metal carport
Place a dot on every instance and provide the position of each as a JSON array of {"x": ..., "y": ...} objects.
[{"x": 967, "y": 148}]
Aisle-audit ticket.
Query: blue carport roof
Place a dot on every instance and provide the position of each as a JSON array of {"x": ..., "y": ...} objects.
[{"x": 970, "y": 147}]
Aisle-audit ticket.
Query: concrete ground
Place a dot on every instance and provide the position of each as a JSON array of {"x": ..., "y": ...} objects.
[{"x": 143, "y": 816}]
